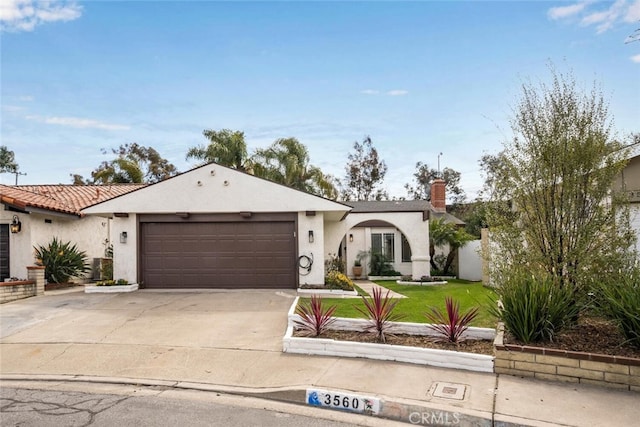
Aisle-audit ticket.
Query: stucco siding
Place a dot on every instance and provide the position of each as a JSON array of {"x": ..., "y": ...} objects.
[{"x": 89, "y": 234}]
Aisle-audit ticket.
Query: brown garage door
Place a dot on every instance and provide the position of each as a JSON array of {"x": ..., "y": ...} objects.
[{"x": 218, "y": 255}]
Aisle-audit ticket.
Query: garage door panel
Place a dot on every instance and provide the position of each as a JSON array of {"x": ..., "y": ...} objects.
[{"x": 218, "y": 255}]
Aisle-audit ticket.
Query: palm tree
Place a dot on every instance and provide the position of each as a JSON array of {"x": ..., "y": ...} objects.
[
  {"x": 286, "y": 162},
  {"x": 120, "y": 170},
  {"x": 443, "y": 233},
  {"x": 226, "y": 147}
]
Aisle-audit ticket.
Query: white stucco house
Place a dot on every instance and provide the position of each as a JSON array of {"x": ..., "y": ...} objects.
[
  {"x": 32, "y": 215},
  {"x": 630, "y": 181},
  {"x": 216, "y": 227}
]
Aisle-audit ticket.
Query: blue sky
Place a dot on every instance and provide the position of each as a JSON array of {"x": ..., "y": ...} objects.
[{"x": 419, "y": 77}]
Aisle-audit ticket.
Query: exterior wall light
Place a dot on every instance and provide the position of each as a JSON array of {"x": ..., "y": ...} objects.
[
  {"x": 123, "y": 237},
  {"x": 351, "y": 238},
  {"x": 311, "y": 236},
  {"x": 15, "y": 225}
]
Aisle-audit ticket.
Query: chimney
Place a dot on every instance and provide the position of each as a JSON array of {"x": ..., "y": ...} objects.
[{"x": 438, "y": 195}]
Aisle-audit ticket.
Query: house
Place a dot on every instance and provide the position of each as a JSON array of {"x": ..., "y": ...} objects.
[
  {"x": 33, "y": 214},
  {"x": 216, "y": 227},
  {"x": 630, "y": 181}
]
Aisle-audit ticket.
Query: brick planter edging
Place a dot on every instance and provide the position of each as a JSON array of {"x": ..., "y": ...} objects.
[
  {"x": 566, "y": 366},
  {"x": 19, "y": 289}
]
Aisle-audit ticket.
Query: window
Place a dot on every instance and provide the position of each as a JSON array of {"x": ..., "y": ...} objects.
[
  {"x": 383, "y": 243},
  {"x": 406, "y": 250}
]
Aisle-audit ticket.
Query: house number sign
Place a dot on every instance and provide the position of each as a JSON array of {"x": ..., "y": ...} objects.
[{"x": 344, "y": 401}]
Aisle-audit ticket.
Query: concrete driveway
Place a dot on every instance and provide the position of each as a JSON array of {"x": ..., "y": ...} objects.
[{"x": 248, "y": 320}]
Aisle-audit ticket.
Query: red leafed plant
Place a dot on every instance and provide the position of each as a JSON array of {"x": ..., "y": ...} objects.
[
  {"x": 453, "y": 324},
  {"x": 379, "y": 310},
  {"x": 316, "y": 318}
]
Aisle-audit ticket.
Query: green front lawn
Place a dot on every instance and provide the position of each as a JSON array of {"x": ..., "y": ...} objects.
[{"x": 420, "y": 298}]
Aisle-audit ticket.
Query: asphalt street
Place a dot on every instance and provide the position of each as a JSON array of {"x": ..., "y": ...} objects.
[{"x": 60, "y": 404}]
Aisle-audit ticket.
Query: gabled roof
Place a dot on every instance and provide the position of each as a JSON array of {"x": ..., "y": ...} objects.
[
  {"x": 67, "y": 199},
  {"x": 213, "y": 188},
  {"x": 389, "y": 206}
]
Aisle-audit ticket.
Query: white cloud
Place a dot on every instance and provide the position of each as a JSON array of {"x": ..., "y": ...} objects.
[
  {"x": 633, "y": 13},
  {"x": 370, "y": 92},
  {"x": 25, "y": 98},
  {"x": 565, "y": 11},
  {"x": 397, "y": 92},
  {"x": 25, "y": 15},
  {"x": 621, "y": 11},
  {"x": 636, "y": 58},
  {"x": 78, "y": 123}
]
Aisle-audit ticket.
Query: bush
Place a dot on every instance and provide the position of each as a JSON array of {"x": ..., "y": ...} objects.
[
  {"x": 380, "y": 313},
  {"x": 380, "y": 266},
  {"x": 119, "y": 282},
  {"x": 334, "y": 263},
  {"x": 453, "y": 324},
  {"x": 620, "y": 302},
  {"x": 337, "y": 280},
  {"x": 61, "y": 261},
  {"x": 533, "y": 308},
  {"x": 315, "y": 318}
]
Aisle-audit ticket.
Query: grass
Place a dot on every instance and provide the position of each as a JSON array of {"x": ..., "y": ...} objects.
[{"x": 420, "y": 298}]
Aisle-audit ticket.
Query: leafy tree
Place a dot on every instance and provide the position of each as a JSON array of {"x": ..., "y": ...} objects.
[
  {"x": 286, "y": 162},
  {"x": 365, "y": 172},
  {"x": 443, "y": 234},
  {"x": 424, "y": 176},
  {"x": 134, "y": 164},
  {"x": 7, "y": 160},
  {"x": 473, "y": 214},
  {"x": 553, "y": 181},
  {"x": 226, "y": 147}
]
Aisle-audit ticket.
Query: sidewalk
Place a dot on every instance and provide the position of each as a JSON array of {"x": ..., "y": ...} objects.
[
  {"x": 367, "y": 286},
  {"x": 197, "y": 341}
]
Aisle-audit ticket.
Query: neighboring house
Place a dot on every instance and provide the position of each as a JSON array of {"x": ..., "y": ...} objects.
[
  {"x": 216, "y": 227},
  {"x": 42, "y": 212},
  {"x": 631, "y": 178}
]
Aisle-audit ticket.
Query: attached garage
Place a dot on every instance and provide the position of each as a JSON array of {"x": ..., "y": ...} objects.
[
  {"x": 216, "y": 227},
  {"x": 218, "y": 251}
]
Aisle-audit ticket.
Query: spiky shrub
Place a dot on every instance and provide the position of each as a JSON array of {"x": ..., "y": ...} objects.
[
  {"x": 315, "y": 317},
  {"x": 533, "y": 307},
  {"x": 379, "y": 311},
  {"x": 621, "y": 303},
  {"x": 451, "y": 324},
  {"x": 61, "y": 261}
]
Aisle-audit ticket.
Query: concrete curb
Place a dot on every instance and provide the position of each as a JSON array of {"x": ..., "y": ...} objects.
[{"x": 403, "y": 410}]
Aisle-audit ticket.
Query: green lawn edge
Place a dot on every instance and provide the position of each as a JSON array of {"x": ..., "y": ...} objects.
[{"x": 421, "y": 298}]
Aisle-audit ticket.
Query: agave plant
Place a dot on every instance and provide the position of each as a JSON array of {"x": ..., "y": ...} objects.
[
  {"x": 379, "y": 310},
  {"x": 452, "y": 324},
  {"x": 61, "y": 261},
  {"x": 316, "y": 317}
]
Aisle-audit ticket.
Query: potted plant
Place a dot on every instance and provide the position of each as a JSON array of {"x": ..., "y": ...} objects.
[{"x": 357, "y": 268}]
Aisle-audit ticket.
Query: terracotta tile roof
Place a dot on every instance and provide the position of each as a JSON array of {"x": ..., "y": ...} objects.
[{"x": 69, "y": 199}]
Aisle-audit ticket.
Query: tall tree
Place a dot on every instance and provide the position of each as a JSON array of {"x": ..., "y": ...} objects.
[
  {"x": 365, "y": 173},
  {"x": 553, "y": 182},
  {"x": 226, "y": 147},
  {"x": 134, "y": 164},
  {"x": 424, "y": 176},
  {"x": 286, "y": 162},
  {"x": 7, "y": 160}
]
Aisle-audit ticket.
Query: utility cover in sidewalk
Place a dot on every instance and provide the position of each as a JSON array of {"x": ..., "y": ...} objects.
[{"x": 448, "y": 390}]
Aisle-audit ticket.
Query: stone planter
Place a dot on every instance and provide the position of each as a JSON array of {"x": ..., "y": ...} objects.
[
  {"x": 417, "y": 355},
  {"x": 566, "y": 366},
  {"x": 91, "y": 289}
]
